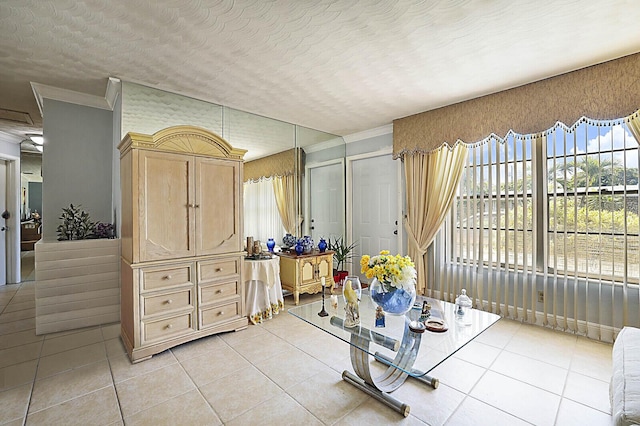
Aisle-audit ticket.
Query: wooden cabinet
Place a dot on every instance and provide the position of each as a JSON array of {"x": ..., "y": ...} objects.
[
  {"x": 304, "y": 273},
  {"x": 30, "y": 233},
  {"x": 187, "y": 206},
  {"x": 181, "y": 232}
]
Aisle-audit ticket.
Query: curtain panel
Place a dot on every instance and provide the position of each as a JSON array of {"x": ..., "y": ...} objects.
[
  {"x": 633, "y": 122},
  {"x": 285, "y": 195},
  {"x": 431, "y": 181}
]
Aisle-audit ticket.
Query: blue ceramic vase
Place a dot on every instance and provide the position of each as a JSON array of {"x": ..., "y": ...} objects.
[
  {"x": 271, "y": 244},
  {"x": 288, "y": 241},
  {"x": 307, "y": 243},
  {"x": 322, "y": 245}
]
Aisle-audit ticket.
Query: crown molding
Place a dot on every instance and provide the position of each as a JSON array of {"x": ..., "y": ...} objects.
[
  {"x": 323, "y": 145},
  {"x": 42, "y": 91},
  {"x": 7, "y": 137},
  {"x": 368, "y": 134}
]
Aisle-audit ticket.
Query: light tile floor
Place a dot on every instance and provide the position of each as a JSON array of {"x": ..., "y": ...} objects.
[{"x": 285, "y": 371}]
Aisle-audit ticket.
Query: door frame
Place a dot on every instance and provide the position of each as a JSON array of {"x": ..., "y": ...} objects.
[
  {"x": 13, "y": 192},
  {"x": 307, "y": 190},
  {"x": 349, "y": 195}
]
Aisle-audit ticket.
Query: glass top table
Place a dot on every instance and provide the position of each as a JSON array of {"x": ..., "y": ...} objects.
[{"x": 403, "y": 344}]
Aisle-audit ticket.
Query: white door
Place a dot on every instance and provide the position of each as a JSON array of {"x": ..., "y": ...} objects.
[
  {"x": 3, "y": 223},
  {"x": 375, "y": 207},
  {"x": 326, "y": 201}
]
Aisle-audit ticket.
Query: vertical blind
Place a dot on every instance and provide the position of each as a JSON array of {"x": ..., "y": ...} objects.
[
  {"x": 545, "y": 228},
  {"x": 261, "y": 217}
]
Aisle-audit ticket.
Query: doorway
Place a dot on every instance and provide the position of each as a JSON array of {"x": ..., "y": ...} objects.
[
  {"x": 326, "y": 200},
  {"x": 374, "y": 205},
  {"x": 9, "y": 219},
  {"x": 30, "y": 211}
]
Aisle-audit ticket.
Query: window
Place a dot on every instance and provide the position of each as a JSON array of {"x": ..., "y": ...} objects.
[
  {"x": 261, "y": 217},
  {"x": 563, "y": 202}
]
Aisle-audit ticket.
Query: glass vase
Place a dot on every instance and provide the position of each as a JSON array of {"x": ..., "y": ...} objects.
[
  {"x": 271, "y": 244},
  {"x": 392, "y": 300}
]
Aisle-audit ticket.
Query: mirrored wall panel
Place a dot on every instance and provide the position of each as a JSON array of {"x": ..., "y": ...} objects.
[{"x": 307, "y": 162}]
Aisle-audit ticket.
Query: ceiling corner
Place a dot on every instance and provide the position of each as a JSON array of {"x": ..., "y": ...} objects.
[
  {"x": 368, "y": 134},
  {"x": 42, "y": 91}
]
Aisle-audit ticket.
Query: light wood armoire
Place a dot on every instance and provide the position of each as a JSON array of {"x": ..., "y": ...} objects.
[{"x": 181, "y": 232}]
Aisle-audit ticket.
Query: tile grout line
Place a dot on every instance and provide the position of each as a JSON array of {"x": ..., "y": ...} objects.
[
  {"x": 270, "y": 379},
  {"x": 113, "y": 381},
  {"x": 196, "y": 386}
]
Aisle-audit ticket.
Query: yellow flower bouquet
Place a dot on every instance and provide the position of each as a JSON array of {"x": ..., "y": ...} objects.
[
  {"x": 393, "y": 285},
  {"x": 393, "y": 272}
]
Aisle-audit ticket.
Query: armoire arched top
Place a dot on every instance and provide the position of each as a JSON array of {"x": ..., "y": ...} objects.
[{"x": 182, "y": 139}]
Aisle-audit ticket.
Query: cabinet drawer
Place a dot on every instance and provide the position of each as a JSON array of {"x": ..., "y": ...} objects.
[
  {"x": 217, "y": 314},
  {"x": 167, "y": 302},
  {"x": 214, "y": 293},
  {"x": 169, "y": 276},
  {"x": 216, "y": 269},
  {"x": 167, "y": 328}
]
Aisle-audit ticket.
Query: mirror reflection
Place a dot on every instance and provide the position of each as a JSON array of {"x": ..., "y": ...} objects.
[
  {"x": 294, "y": 176},
  {"x": 30, "y": 209}
]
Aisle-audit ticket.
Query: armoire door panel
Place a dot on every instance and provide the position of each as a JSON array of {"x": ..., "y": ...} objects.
[
  {"x": 166, "y": 212},
  {"x": 217, "y": 214}
]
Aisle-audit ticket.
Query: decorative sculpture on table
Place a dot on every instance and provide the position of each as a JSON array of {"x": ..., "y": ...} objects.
[
  {"x": 334, "y": 302},
  {"x": 351, "y": 309},
  {"x": 379, "y": 317}
]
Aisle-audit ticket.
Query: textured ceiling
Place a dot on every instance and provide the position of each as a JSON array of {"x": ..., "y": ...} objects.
[{"x": 338, "y": 66}]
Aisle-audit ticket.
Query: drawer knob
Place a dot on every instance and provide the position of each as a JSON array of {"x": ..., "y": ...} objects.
[
  {"x": 219, "y": 291},
  {"x": 167, "y": 277},
  {"x": 169, "y": 301},
  {"x": 219, "y": 270},
  {"x": 220, "y": 313},
  {"x": 169, "y": 326}
]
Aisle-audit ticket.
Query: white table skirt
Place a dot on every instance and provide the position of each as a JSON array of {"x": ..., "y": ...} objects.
[{"x": 263, "y": 289}]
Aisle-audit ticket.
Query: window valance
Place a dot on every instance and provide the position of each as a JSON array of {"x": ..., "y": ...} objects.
[
  {"x": 280, "y": 164},
  {"x": 606, "y": 91}
]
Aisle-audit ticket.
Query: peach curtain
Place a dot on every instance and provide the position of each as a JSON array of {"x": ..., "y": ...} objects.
[
  {"x": 634, "y": 125},
  {"x": 431, "y": 180},
  {"x": 284, "y": 190}
]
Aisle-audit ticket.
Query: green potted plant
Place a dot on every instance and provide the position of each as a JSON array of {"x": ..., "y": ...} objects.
[
  {"x": 343, "y": 253},
  {"x": 76, "y": 224}
]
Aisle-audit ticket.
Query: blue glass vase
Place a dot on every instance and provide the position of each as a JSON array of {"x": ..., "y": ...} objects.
[
  {"x": 299, "y": 248},
  {"x": 394, "y": 301},
  {"x": 271, "y": 244},
  {"x": 322, "y": 245}
]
